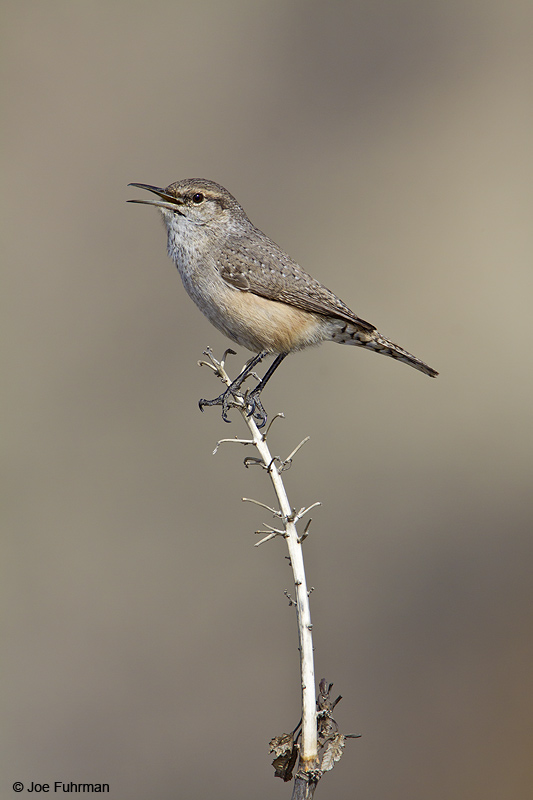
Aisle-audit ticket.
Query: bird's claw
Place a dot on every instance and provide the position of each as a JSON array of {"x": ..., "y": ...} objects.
[
  {"x": 254, "y": 408},
  {"x": 226, "y": 400}
]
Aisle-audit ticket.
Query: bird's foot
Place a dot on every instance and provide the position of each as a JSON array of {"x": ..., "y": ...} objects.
[
  {"x": 254, "y": 407},
  {"x": 227, "y": 400},
  {"x": 230, "y": 399}
]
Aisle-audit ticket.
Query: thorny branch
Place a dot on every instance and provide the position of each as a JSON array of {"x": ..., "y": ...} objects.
[{"x": 315, "y": 740}]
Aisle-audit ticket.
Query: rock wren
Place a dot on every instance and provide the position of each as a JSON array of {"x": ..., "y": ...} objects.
[{"x": 250, "y": 289}]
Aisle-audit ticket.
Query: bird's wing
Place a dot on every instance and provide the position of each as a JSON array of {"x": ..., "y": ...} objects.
[{"x": 264, "y": 269}]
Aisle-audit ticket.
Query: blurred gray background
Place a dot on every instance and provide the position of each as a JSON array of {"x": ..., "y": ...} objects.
[{"x": 387, "y": 147}]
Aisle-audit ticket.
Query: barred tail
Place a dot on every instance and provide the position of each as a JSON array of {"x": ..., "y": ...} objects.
[{"x": 373, "y": 340}]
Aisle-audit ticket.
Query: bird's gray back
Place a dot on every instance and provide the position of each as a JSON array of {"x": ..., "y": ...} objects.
[{"x": 252, "y": 262}]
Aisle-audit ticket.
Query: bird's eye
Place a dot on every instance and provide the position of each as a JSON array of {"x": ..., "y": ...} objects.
[{"x": 198, "y": 198}]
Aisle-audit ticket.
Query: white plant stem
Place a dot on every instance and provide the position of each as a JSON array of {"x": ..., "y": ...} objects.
[
  {"x": 308, "y": 744},
  {"x": 308, "y": 751}
]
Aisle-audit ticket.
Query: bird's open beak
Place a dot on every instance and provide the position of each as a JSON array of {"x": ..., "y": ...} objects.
[{"x": 166, "y": 201}]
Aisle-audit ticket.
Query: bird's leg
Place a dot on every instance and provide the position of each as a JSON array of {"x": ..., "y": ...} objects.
[
  {"x": 226, "y": 399},
  {"x": 253, "y": 403}
]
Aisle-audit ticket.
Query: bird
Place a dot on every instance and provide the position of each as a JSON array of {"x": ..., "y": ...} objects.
[{"x": 251, "y": 290}]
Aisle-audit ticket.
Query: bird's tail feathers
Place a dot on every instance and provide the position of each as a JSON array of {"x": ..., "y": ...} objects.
[{"x": 373, "y": 340}]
